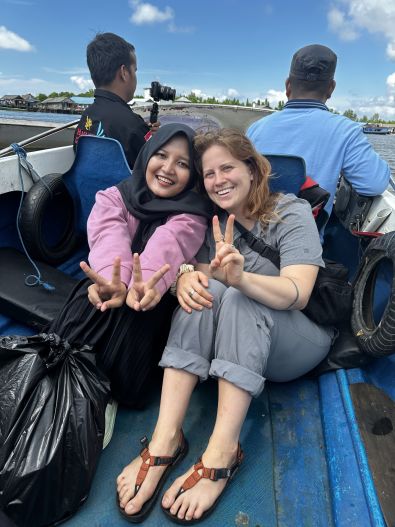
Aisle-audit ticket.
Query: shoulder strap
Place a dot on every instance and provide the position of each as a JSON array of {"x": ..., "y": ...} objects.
[{"x": 258, "y": 245}]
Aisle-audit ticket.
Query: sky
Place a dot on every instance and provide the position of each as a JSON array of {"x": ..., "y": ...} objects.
[{"x": 223, "y": 48}]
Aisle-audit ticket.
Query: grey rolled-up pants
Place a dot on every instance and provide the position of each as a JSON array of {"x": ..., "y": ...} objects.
[{"x": 244, "y": 342}]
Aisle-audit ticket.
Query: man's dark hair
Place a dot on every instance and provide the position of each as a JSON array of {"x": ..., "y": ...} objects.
[
  {"x": 105, "y": 55},
  {"x": 309, "y": 89}
]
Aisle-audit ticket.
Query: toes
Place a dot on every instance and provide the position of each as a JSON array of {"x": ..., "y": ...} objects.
[
  {"x": 133, "y": 506},
  {"x": 171, "y": 493},
  {"x": 125, "y": 494},
  {"x": 136, "y": 504},
  {"x": 176, "y": 506},
  {"x": 197, "y": 512},
  {"x": 183, "y": 508},
  {"x": 191, "y": 512},
  {"x": 123, "y": 475}
]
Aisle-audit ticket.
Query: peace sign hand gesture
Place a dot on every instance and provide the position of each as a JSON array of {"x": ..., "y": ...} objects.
[
  {"x": 143, "y": 296},
  {"x": 228, "y": 264},
  {"x": 104, "y": 294}
]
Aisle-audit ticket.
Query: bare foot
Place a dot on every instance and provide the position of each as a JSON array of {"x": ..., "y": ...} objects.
[
  {"x": 192, "y": 503},
  {"x": 126, "y": 481}
]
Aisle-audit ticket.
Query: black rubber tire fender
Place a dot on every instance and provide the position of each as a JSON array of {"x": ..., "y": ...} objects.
[
  {"x": 31, "y": 221},
  {"x": 377, "y": 340}
]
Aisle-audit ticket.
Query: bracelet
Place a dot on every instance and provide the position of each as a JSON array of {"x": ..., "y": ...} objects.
[
  {"x": 297, "y": 293},
  {"x": 184, "y": 268}
]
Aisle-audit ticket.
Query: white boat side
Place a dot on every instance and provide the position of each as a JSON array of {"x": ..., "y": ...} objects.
[{"x": 53, "y": 160}]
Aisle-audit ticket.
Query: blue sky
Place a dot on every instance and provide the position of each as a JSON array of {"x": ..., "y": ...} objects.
[{"x": 221, "y": 48}]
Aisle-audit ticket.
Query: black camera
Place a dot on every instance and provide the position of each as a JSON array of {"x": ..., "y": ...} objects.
[{"x": 159, "y": 92}]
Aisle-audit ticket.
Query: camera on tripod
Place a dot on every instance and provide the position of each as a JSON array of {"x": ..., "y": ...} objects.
[{"x": 159, "y": 92}]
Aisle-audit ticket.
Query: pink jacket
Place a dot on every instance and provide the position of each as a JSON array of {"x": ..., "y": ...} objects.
[{"x": 111, "y": 229}]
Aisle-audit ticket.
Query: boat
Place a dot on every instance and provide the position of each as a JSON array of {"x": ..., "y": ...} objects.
[
  {"x": 319, "y": 450},
  {"x": 51, "y": 135},
  {"x": 381, "y": 130}
]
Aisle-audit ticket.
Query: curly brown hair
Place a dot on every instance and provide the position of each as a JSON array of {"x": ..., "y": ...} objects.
[{"x": 260, "y": 201}]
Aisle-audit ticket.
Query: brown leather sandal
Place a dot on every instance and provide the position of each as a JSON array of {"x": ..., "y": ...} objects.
[
  {"x": 214, "y": 474},
  {"x": 149, "y": 461}
]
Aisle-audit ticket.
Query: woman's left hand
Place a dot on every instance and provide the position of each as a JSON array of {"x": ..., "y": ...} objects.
[
  {"x": 143, "y": 296},
  {"x": 193, "y": 293},
  {"x": 228, "y": 264}
]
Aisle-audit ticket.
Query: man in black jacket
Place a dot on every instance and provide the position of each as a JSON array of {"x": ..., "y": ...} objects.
[{"x": 112, "y": 65}]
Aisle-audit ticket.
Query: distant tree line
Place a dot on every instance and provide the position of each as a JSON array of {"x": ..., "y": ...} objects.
[
  {"x": 89, "y": 93},
  {"x": 375, "y": 118},
  {"x": 234, "y": 101}
]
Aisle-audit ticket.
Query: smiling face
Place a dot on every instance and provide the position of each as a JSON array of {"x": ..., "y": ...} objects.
[
  {"x": 226, "y": 179},
  {"x": 168, "y": 172}
]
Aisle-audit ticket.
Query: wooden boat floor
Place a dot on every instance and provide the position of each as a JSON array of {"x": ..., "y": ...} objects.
[{"x": 375, "y": 413}]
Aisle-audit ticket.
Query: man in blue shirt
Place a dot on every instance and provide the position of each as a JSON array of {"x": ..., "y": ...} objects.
[{"x": 329, "y": 143}]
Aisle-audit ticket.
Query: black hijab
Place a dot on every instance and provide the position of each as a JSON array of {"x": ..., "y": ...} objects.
[{"x": 151, "y": 210}]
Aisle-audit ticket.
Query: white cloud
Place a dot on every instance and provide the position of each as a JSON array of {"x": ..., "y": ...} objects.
[
  {"x": 385, "y": 111},
  {"x": 391, "y": 50},
  {"x": 274, "y": 97},
  {"x": 20, "y": 85},
  {"x": 391, "y": 82},
  {"x": 338, "y": 24},
  {"x": 199, "y": 93},
  {"x": 232, "y": 92},
  {"x": 383, "y": 105},
  {"x": 71, "y": 71},
  {"x": 145, "y": 13},
  {"x": 172, "y": 28},
  {"x": 348, "y": 18},
  {"x": 10, "y": 40},
  {"x": 82, "y": 83},
  {"x": 16, "y": 85}
]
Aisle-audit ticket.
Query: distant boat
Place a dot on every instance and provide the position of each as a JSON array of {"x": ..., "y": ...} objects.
[{"x": 381, "y": 130}]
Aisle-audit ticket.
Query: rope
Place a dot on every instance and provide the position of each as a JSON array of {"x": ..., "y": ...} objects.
[{"x": 33, "y": 279}]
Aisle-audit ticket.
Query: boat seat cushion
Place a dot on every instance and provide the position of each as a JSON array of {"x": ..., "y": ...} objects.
[
  {"x": 99, "y": 163},
  {"x": 34, "y": 306},
  {"x": 288, "y": 173}
]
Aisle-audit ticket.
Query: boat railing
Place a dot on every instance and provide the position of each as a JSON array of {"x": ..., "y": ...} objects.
[{"x": 34, "y": 138}]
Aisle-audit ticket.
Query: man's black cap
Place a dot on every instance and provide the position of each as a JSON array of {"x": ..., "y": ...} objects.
[{"x": 313, "y": 63}]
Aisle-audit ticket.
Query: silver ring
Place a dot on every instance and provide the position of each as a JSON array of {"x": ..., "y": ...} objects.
[{"x": 191, "y": 293}]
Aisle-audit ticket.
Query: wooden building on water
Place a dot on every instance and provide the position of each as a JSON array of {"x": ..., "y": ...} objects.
[{"x": 57, "y": 105}]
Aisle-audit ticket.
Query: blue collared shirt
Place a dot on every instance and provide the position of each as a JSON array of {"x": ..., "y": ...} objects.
[{"x": 329, "y": 143}]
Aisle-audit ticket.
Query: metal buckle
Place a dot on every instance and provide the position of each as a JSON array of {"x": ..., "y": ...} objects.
[{"x": 213, "y": 474}]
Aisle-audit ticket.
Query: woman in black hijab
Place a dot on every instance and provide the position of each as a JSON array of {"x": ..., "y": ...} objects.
[{"x": 157, "y": 214}]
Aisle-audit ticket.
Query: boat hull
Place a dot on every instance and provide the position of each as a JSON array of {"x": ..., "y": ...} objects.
[
  {"x": 304, "y": 460},
  {"x": 214, "y": 115}
]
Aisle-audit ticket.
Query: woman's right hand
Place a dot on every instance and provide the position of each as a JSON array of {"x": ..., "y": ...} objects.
[
  {"x": 104, "y": 294},
  {"x": 144, "y": 296},
  {"x": 192, "y": 291},
  {"x": 228, "y": 264}
]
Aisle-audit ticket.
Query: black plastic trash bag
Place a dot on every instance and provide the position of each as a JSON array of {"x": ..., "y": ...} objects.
[{"x": 52, "y": 406}]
